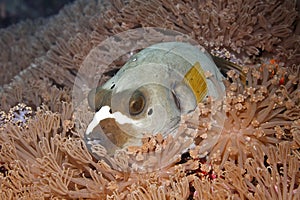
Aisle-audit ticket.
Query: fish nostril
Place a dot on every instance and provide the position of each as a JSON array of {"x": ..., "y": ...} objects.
[{"x": 150, "y": 111}]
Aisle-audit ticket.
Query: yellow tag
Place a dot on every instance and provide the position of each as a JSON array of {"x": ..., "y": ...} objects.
[{"x": 195, "y": 78}]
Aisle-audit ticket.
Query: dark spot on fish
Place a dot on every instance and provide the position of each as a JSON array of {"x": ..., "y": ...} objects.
[
  {"x": 150, "y": 111},
  {"x": 176, "y": 100}
]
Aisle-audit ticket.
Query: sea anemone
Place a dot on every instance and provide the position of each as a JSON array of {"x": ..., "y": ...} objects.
[
  {"x": 256, "y": 154},
  {"x": 260, "y": 112}
]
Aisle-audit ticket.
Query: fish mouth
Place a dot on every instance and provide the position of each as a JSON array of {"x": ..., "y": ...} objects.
[
  {"x": 112, "y": 137},
  {"x": 108, "y": 134}
]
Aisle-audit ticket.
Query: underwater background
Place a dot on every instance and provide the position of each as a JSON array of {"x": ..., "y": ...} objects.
[
  {"x": 12, "y": 12},
  {"x": 42, "y": 154}
]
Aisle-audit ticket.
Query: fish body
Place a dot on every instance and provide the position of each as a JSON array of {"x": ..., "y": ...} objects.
[{"x": 151, "y": 91}]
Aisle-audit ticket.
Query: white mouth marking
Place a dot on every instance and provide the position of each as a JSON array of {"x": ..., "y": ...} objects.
[{"x": 104, "y": 113}]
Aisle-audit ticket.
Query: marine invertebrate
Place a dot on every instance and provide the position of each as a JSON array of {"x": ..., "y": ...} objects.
[
  {"x": 27, "y": 40},
  {"x": 272, "y": 173},
  {"x": 260, "y": 113},
  {"x": 47, "y": 160},
  {"x": 19, "y": 114},
  {"x": 3, "y": 119},
  {"x": 63, "y": 167}
]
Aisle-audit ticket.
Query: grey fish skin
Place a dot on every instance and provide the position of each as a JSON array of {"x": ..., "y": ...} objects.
[
  {"x": 176, "y": 56},
  {"x": 157, "y": 74},
  {"x": 172, "y": 56}
]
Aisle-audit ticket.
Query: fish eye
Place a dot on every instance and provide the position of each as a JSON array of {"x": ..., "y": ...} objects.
[{"x": 136, "y": 103}]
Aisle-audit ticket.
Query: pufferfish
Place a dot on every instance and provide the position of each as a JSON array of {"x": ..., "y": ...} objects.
[{"x": 149, "y": 94}]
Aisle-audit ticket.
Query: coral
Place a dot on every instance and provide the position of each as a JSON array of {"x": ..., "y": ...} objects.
[
  {"x": 256, "y": 154},
  {"x": 49, "y": 158},
  {"x": 260, "y": 113},
  {"x": 271, "y": 174},
  {"x": 66, "y": 52},
  {"x": 22, "y": 43}
]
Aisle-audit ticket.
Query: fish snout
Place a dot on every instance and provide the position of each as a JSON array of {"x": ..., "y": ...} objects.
[{"x": 99, "y": 97}]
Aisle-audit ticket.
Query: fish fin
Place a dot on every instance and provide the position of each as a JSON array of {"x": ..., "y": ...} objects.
[
  {"x": 196, "y": 80},
  {"x": 225, "y": 66}
]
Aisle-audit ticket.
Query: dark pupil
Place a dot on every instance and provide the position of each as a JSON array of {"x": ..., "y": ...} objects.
[{"x": 136, "y": 103}]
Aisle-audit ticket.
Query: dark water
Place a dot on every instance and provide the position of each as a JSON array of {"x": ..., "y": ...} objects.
[{"x": 14, "y": 11}]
